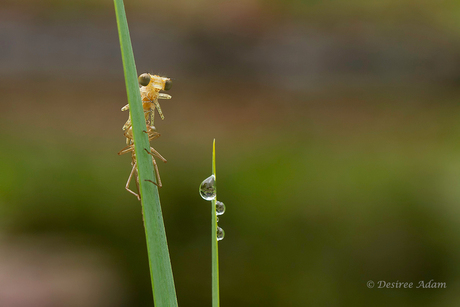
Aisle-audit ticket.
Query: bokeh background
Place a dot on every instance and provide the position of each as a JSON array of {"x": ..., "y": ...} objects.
[{"x": 338, "y": 155}]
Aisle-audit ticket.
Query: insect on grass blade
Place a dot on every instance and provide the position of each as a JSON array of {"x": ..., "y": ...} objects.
[{"x": 164, "y": 293}]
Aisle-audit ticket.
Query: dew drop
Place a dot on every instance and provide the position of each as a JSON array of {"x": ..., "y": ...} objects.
[
  {"x": 208, "y": 188},
  {"x": 220, "y": 208},
  {"x": 220, "y": 233},
  {"x": 217, "y": 218}
]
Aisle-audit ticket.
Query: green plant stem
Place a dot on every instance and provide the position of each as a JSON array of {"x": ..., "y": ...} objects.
[
  {"x": 164, "y": 293},
  {"x": 215, "y": 248}
]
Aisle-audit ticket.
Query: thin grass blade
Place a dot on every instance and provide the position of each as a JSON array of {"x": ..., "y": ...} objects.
[
  {"x": 214, "y": 246},
  {"x": 164, "y": 293}
]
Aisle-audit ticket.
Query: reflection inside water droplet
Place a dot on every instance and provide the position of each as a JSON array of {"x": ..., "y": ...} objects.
[
  {"x": 220, "y": 208},
  {"x": 208, "y": 188},
  {"x": 220, "y": 233}
]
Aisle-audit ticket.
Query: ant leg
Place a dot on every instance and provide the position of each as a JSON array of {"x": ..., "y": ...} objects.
[
  {"x": 127, "y": 124},
  {"x": 158, "y": 154},
  {"x": 129, "y": 181},
  {"x": 154, "y": 153},
  {"x": 130, "y": 148},
  {"x": 153, "y": 135},
  {"x": 164, "y": 96},
  {"x": 137, "y": 182},
  {"x": 127, "y": 149},
  {"x": 153, "y": 182},
  {"x": 148, "y": 115},
  {"x": 157, "y": 105},
  {"x": 157, "y": 174}
]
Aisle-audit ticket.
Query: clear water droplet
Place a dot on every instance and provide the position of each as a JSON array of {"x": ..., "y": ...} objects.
[
  {"x": 220, "y": 208},
  {"x": 208, "y": 188},
  {"x": 220, "y": 233},
  {"x": 217, "y": 219}
]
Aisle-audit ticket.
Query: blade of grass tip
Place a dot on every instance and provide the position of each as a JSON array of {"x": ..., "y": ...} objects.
[
  {"x": 214, "y": 246},
  {"x": 164, "y": 293}
]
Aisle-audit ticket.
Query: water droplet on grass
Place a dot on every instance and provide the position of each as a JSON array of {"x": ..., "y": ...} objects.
[
  {"x": 220, "y": 233},
  {"x": 220, "y": 208},
  {"x": 208, "y": 188}
]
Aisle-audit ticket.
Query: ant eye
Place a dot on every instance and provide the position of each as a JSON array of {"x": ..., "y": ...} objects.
[
  {"x": 144, "y": 79},
  {"x": 168, "y": 85}
]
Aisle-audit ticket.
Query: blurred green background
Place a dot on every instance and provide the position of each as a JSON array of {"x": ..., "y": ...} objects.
[{"x": 338, "y": 156}]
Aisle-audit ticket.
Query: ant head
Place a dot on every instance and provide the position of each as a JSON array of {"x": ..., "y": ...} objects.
[{"x": 159, "y": 83}]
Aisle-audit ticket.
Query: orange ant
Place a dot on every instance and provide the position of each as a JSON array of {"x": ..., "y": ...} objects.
[{"x": 151, "y": 85}]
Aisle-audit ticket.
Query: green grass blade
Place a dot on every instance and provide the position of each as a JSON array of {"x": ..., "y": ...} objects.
[
  {"x": 214, "y": 246},
  {"x": 164, "y": 293}
]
